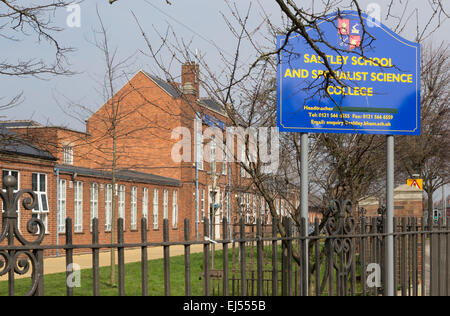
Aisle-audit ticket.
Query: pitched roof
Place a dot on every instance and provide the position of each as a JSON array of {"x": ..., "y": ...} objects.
[
  {"x": 211, "y": 104},
  {"x": 169, "y": 88},
  {"x": 12, "y": 143},
  {"x": 123, "y": 175},
  {"x": 19, "y": 123}
]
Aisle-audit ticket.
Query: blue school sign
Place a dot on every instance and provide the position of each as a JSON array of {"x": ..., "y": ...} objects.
[{"x": 374, "y": 87}]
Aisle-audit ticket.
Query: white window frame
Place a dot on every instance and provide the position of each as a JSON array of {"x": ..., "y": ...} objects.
[
  {"x": 166, "y": 204},
  {"x": 108, "y": 207},
  {"x": 78, "y": 207},
  {"x": 43, "y": 208},
  {"x": 221, "y": 207},
  {"x": 62, "y": 205},
  {"x": 247, "y": 207},
  {"x": 68, "y": 155},
  {"x": 199, "y": 141},
  {"x": 224, "y": 159},
  {"x": 93, "y": 202},
  {"x": 121, "y": 203},
  {"x": 174, "y": 209},
  {"x": 155, "y": 208},
  {"x": 255, "y": 205},
  {"x": 212, "y": 153},
  {"x": 202, "y": 206},
  {"x": 145, "y": 204},
  {"x": 225, "y": 209},
  {"x": 133, "y": 199}
]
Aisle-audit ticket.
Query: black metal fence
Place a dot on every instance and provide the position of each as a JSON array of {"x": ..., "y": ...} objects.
[
  {"x": 266, "y": 264},
  {"x": 342, "y": 256}
]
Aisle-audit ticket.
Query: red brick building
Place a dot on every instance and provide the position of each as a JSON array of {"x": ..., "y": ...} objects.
[{"x": 143, "y": 122}]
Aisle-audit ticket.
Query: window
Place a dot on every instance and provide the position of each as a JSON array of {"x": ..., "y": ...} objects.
[
  {"x": 254, "y": 206},
  {"x": 225, "y": 208},
  {"x": 244, "y": 162},
  {"x": 133, "y": 208},
  {"x": 175, "y": 209},
  {"x": 199, "y": 142},
  {"x": 39, "y": 186},
  {"x": 62, "y": 206},
  {"x": 94, "y": 202},
  {"x": 145, "y": 204},
  {"x": 166, "y": 204},
  {"x": 121, "y": 204},
  {"x": 221, "y": 206},
  {"x": 212, "y": 153},
  {"x": 224, "y": 166},
  {"x": 263, "y": 210},
  {"x": 68, "y": 155},
  {"x": 155, "y": 209},
  {"x": 108, "y": 207},
  {"x": 247, "y": 207},
  {"x": 203, "y": 205},
  {"x": 78, "y": 195}
]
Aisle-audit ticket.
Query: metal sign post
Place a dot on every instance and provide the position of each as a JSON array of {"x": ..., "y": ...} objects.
[
  {"x": 390, "y": 217},
  {"x": 378, "y": 93},
  {"x": 304, "y": 188}
]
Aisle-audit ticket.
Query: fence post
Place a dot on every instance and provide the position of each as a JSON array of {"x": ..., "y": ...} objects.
[
  {"x": 69, "y": 254},
  {"x": 317, "y": 255},
  {"x": 144, "y": 257},
  {"x": 166, "y": 257},
  {"x": 243, "y": 258},
  {"x": 121, "y": 256},
  {"x": 304, "y": 259},
  {"x": 40, "y": 272},
  {"x": 225, "y": 257},
  {"x": 447, "y": 266},
  {"x": 95, "y": 259},
  {"x": 284, "y": 269},
  {"x": 389, "y": 254},
  {"x": 274, "y": 257},
  {"x": 259, "y": 250},
  {"x": 206, "y": 281},
  {"x": 187, "y": 259}
]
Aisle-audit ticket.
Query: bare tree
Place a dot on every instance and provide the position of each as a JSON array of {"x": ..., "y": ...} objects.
[
  {"x": 347, "y": 165},
  {"x": 17, "y": 21},
  {"x": 427, "y": 154}
]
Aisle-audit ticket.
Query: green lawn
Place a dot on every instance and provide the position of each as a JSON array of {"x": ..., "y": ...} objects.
[{"x": 55, "y": 284}]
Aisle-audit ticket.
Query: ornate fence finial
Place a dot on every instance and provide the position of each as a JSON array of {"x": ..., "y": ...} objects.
[{"x": 19, "y": 261}]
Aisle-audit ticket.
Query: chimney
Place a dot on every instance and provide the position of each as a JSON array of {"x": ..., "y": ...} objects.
[{"x": 190, "y": 72}]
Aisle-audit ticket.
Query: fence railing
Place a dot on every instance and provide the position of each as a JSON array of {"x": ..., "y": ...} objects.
[
  {"x": 346, "y": 255},
  {"x": 258, "y": 261}
]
